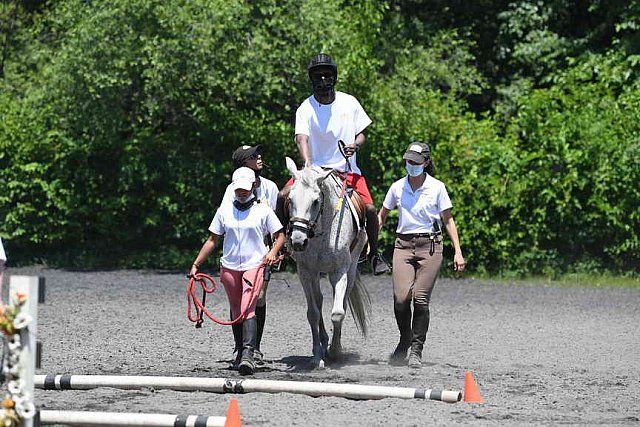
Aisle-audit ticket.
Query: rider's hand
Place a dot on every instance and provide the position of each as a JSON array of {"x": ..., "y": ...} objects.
[{"x": 350, "y": 150}]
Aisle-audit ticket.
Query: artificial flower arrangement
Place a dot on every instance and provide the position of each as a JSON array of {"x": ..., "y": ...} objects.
[{"x": 17, "y": 404}]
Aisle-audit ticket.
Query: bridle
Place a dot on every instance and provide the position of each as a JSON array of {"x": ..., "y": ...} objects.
[{"x": 307, "y": 226}]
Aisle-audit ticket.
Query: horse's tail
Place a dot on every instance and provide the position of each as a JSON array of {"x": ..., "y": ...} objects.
[{"x": 360, "y": 304}]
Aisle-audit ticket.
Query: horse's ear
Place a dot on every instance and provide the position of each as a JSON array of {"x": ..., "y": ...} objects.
[{"x": 291, "y": 166}]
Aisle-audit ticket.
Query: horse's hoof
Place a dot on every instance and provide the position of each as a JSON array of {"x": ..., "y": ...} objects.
[
  {"x": 334, "y": 354},
  {"x": 315, "y": 364}
]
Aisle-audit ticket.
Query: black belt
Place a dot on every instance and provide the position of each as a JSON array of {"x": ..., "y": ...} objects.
[{"x": 417, "y": 235}]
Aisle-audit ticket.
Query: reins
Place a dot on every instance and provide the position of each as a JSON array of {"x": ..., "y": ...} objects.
[{"x": 341, "y": 147}]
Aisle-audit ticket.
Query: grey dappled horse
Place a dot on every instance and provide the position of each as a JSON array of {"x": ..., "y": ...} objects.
[{"x": 326, "y": 240}]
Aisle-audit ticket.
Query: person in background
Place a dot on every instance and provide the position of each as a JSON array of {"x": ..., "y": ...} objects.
[
  {"x": 423, "y": 205},
  {"x": 250, "y": 156},
  {"x": 244, "y": 224}
]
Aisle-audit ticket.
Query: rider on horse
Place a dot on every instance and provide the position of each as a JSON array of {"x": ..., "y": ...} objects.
[{"x": 323, "y": 119}]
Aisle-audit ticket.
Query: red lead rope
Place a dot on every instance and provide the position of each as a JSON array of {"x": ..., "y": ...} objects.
[{"x": 194, "y": 304}]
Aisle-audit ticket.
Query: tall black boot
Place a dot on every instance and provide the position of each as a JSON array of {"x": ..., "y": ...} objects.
[
  {"x": 237, "y": 338},
  {"x": 418, "y": 335},
  {"x": 249, "y": 331},
  {"x": 261, "y": 316},
  {"x": 403, "y": 319}
]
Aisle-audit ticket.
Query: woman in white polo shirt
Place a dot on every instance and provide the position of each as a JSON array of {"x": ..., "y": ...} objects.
[
  {"x": 423, "y": 205},
  {"x": 243, "y": 223}
]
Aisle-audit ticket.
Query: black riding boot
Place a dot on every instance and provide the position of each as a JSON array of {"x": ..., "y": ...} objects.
[
  {"x": 419, "y": 335},
  {"x": 261, "y": 316},
  {"x": 403, "y": 319},
  {"x": 249, "y": 330},
  {"x": 237, "y": 337}
]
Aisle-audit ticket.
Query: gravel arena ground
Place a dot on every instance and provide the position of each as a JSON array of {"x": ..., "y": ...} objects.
[{"x": 540, "y": 355}]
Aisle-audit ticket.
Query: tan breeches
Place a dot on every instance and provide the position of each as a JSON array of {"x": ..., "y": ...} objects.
[{"x": 416, "y": 264}]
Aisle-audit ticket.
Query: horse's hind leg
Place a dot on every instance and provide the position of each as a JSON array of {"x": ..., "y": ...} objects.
[{"x": 311, "y": 286}]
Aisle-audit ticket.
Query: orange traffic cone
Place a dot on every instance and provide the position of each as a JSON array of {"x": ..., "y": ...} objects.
[
  {"x": 471, "y": 392},
  {"x": 233, "y": 415}
]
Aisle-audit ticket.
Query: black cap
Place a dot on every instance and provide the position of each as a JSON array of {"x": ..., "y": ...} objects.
[
  {"x": 244, "y": 153},
  {"x": 417, "y": 152}
]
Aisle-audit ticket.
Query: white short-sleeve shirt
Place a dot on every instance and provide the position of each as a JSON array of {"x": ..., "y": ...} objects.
[
  {"x": 417, "y": 210},
  {"x": 3, "y": 255},
  {"x": 326, "y": 124},
  {"x": 244, "y": 231},
  {"x": 267, "y": 193}
]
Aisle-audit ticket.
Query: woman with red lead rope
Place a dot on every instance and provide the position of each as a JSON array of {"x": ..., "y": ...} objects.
[{"x": 243, "y": 223}]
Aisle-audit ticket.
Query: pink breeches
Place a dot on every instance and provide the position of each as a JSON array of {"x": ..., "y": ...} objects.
[{"x": 239, "y": 292}]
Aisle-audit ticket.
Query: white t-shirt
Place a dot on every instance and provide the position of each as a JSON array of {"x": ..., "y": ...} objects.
[
  {"x": 244, "y": 232},
  {"x": 267, "y": 193},
  {"x": 417, "y": 210},
  {"x": 3, "y": 256},
  {"x": 326, "y": 124}
]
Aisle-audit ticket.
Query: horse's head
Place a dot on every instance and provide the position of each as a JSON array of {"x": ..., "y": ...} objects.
[{"x": 305, "y": 204}]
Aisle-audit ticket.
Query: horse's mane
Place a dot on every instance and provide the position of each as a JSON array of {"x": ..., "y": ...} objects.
[{"x": 308, "y": 177}]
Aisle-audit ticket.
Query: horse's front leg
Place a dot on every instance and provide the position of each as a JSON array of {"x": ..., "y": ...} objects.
[
  {"x": 311, "y": 286},
  {"x": 339, "y": 281}
]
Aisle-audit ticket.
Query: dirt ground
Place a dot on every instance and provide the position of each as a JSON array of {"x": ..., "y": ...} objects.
[{"x": 540, "y": 355}]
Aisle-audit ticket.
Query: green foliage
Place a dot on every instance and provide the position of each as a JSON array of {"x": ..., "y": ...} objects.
[
  {"x": 580, "y": 191},
  {"x": 118, "y": 120}
]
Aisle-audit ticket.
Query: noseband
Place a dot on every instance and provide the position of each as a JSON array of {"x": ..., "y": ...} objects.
[{"x": 307, "y": 226}]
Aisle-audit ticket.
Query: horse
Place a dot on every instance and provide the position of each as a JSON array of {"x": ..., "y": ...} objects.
[{"x": 325, "y": 238}]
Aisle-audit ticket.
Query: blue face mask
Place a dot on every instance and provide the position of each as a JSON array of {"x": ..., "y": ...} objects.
[{"x": 414, "y": 170}]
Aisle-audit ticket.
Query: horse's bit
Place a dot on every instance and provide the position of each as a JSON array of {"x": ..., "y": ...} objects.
[{"x": 305, "y": 225}]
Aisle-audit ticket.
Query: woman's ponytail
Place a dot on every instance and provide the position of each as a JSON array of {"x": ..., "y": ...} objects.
[{"x": 430, "y": 168}]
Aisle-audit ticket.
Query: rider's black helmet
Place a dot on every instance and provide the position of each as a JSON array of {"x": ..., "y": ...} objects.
[{"x": 323, "y": 60}]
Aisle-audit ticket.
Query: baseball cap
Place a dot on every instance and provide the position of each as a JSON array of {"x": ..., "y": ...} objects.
[
  {"x": 244, "y": 153},
  {"x": 417, "y": 152},
  {"x": 243, "y": 178}
]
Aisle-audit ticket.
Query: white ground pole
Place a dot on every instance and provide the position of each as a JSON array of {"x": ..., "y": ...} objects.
[
  {"x": 33, "y": 289},
  {"x": 222, "y": 385},
  {"x": 94, "y": 419}
]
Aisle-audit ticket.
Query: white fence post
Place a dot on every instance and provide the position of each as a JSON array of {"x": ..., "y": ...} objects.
[{"x": 31, "y": 288}]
